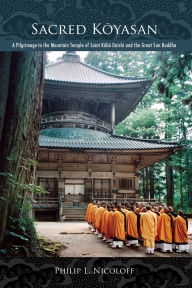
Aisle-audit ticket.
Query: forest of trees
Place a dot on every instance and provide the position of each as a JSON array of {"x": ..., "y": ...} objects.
[{"x": 164, "y": 113}]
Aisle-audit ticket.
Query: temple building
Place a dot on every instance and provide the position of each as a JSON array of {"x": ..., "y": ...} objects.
[{"x": 79, "y": 156}]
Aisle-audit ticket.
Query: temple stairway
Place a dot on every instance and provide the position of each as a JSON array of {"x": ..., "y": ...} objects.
[{"x": 73, "y": 213}]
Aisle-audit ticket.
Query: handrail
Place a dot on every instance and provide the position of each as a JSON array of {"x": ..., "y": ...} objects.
[
  {"x": 126, "y": 199},
  {"x": 63, "y": 118}
]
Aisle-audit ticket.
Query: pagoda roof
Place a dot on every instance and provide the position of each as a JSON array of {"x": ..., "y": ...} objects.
[
  {"x": 80, "y": 138},
  {"x": 72, "y": 70}
]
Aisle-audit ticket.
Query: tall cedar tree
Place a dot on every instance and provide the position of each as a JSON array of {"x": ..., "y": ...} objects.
[{"x": 21, "y": 89}]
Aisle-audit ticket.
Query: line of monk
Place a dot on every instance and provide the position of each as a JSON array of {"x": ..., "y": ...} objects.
[{"x": 124, "y": 223}]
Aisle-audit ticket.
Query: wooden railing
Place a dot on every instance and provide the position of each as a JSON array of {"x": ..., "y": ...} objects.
[
  {"x": 46, "y": 202},
  {"x": 75, "y": 118},
  {"x": 126, "y": 199}
]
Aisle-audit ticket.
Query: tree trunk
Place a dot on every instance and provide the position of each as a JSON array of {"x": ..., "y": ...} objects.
[
  {"x": 144, "y": 187},
  {"x": 189, "y": 182},
  {"x": 181, "y": 187},
  {"x": 169, "y": 183},
  {"x": 5, "y": 58},
  {"x": 22, "y": 97},
  {"x": 151, "y": 181},
  {"x": 146, "y": 183}
]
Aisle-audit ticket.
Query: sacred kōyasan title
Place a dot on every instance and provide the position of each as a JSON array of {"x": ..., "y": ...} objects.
[{"x": 97, "y": 29}]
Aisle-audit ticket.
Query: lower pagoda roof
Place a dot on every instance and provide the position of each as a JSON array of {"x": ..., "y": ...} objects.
[{"x": 81, "y": 138}]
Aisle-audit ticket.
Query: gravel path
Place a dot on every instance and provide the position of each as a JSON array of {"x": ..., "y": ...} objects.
[{"x": 80, "y": 242}]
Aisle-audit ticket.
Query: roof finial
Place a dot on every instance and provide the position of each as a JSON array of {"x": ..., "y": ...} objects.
[{"x": 71, "y": 56}]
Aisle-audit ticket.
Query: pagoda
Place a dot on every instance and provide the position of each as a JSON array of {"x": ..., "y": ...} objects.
[{"x": 79, "y": 156}]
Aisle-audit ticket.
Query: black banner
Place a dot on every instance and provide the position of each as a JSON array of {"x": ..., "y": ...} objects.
[
  {"x": 95, "y": 25},
  {"x": 96, "y": 272}
]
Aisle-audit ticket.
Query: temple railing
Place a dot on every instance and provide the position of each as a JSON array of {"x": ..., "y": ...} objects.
[
  {"x": 76, "y": 118},
  {"x": 133, "y": 200},
  {"x": 46, "y": 203}
]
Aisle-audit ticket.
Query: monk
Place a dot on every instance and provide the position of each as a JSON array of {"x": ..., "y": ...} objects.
[
  {"x": 88, "y": 211},
  {"x": 171, "y": 211},
  {"x": 119, "y": 222},
  {"x": 104, "y": 222},
  {"x": 109, "y": 225},
  {"x": 152, "y": 206},
  {"x": 92, "y": 215},
  {"x": 138, "y": 208},
  {"x": 133, "y": 227},
  {"x": 143, "y": 210},
  {"x": 148, "y": 225},
  {"x": 127, "y": 209},
  {"x": 165, "y": 224},
  {"x": 158, "y": 244},
  {"x": 115, "y": 206},
  {"x": 162, "y": 210},
  {"x": 98, "y": 215},
  {"x": 156, "y": 211},
  {"x": 180, "y": 227}
]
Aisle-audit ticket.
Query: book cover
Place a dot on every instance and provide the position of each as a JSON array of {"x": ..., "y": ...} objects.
[{"x": 95, "y": 143}]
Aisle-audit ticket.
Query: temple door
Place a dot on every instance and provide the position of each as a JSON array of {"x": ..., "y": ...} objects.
[{"x": 74, "y": 190}]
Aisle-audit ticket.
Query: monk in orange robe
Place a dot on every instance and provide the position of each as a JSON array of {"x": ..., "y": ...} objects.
[
  {"x": 127, "y": 209},
  {"x": 109, "y": 225},
  {"x": 98, "y": 215},
  {"x": 171, "y": 212},
  {"x": 162, "y": 209},
  {"x": 119, "y": 222},
  {"x": 165, "y": 225},
  {"x": 158, "y": 244},
  {"x": 148, "y": 225},
  {"x": 133, "y": 227},
  {"x": 180, "y": 235},
  {"x": 87, "y": 213},
  {"x": 152, "y": 206},
  {"x": 104, "y": 221},
  {"x": 143, "y": 210},
  {"x": 138, "y": 208},
  {"x": 115, "y": 206},
  {"x": 92, "y": 216}
]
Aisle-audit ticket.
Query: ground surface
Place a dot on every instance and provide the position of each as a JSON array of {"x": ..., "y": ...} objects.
[{"x": 80, "y": 242}]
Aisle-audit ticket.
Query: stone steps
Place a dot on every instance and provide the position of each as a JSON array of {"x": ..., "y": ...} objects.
[{"x": 73, "y": 214}]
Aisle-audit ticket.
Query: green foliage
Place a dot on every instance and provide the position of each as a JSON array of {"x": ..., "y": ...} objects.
[
  {"x": 19, "y": 225},
  {"x": 17, "y": 235},
  {"x": 31, "y": 188}
]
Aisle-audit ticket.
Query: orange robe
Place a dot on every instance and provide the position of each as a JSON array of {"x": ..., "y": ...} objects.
[
  {"x": 180, "y": 226},
  {"x": 133, "y": 225},
  {"x": 119, "y": 222},
  {"x": 162, "y": 211},
  {"x": 173, "y": 216},
  {"x": 103, "y": 221},
  {"x": 98, "y": 215},
  {"x": 109, "y": 225},
  {"x": 148, "y": 226},
  {"x": 165, "y": 228},
  {"x": 157, "y": 216},
  {"x": 126, "y": 211},
  {"x": 88, "y": 211},
  {"x": 92, "y": 214}
]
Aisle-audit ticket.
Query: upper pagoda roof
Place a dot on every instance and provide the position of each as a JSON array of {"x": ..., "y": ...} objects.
[{"x": 72, "y": 70}]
